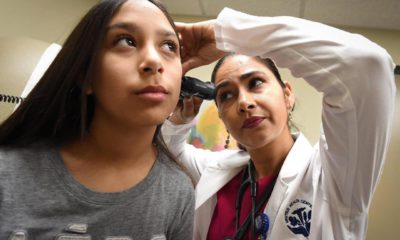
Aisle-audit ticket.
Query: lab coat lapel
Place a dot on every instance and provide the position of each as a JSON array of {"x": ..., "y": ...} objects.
[
  {"x": 294, "y": 164},
  {"x": 217, "y": 174},
  {"x": 214, "y": 177}
]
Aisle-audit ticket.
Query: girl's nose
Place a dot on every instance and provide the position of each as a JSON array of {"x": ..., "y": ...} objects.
[{"x": 151, "y": 61}]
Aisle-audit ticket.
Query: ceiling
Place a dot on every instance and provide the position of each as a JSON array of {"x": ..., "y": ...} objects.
[{"x": 379, "y": 14}]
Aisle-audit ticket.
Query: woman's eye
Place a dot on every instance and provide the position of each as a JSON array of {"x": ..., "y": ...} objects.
[
  {"x": 125, "y": 41},
  {"x": 255, "y": 82},
  {"x": 170, "y": 46},
  {"x": 224, "y": 96}
]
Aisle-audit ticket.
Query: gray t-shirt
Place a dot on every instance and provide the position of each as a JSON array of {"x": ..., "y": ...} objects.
[{"x": 39, "y": 199}]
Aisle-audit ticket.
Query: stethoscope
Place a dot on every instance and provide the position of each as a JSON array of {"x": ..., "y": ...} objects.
[{"x": 259, "y": 222}]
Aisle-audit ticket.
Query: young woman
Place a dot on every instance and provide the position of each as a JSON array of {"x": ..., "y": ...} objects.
[
  {"x": 82, "y": 157},
  {"x": 281, "y": 187}
]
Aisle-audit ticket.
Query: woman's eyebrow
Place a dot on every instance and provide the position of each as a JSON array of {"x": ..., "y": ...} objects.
[
  {"x": 249, "y": 74},
  {"x": 221, "y": 85},
  {"x": 241, "y": 78}
]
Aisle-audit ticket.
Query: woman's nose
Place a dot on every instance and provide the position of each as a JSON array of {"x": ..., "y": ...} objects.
[
  {"x": 245, "y": 102},
  {"x": 151, "y": 61}
]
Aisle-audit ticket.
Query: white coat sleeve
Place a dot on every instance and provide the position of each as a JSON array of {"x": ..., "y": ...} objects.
[
  {"x": 195, "y": 160},
  {"x": 356, "y": 78}
]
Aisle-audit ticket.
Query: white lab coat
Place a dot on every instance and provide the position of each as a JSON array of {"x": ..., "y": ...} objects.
[{"x": 331, "y": 184}]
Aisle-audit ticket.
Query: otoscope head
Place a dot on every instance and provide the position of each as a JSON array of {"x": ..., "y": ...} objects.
[{"x": 191, "y": 86}]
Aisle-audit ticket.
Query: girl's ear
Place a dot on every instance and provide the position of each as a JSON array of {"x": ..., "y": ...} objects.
[
  {"x": 289, "y": 95},
  {"x": 88, "y": 89},
  {"x": 86, "y": 85}
]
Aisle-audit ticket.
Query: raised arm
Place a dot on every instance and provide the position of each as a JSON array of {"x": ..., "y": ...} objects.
[
  {"x": 356, "y": 78},
  {"x": 354, "y": 74}
]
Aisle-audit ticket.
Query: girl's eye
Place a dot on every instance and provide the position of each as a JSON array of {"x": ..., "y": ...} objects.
[
  {"x": 255, "y": 82},
  {"x": 125, "y": 41},
  {"x": 170, "y": 46}
]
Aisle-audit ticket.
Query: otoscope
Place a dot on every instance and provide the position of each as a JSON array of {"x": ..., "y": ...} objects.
[{"x": 191, "y": 86}]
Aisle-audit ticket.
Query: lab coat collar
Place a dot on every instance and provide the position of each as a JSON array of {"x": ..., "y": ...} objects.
[
  {"x": 297, "y": 158},
  {"x": 218, "y": 173},
  {"x": 296, "y": 161}
]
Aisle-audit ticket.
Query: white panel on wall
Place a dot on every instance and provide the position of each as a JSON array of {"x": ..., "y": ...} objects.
[
  {"x": 255, "y": 7},
  {"x": 187, "y": 7},
  {"x": 358, "y": 13},
  {"x": 380, "y": 14}
]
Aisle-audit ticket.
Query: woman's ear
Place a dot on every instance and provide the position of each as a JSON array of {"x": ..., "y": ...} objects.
[{"x": 289, "y": 95}]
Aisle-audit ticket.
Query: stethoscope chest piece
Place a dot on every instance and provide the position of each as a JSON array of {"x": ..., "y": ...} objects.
[{"x": 262, "y": 225}]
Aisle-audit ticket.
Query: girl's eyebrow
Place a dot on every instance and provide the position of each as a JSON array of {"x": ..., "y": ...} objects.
[{"x": 132, "y": 27}]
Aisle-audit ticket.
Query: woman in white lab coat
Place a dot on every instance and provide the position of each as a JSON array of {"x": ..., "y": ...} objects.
[{"x": 319, "y": 192}]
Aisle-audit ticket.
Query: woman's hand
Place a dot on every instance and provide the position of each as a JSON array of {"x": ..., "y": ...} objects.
[
  {"x": 198, "y": 44},
  {"x": 186, "y": 110}
]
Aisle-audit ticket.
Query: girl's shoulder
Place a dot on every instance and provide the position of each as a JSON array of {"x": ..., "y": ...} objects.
[
  {"x": 13, "y": 158},
  {"x": 173, "y": 173}
]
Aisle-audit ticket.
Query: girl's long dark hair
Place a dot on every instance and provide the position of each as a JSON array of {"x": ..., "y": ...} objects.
[{"x": 57, "y": 110}]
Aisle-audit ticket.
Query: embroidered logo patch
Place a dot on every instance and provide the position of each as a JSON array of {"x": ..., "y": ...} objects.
[{"x": 298, "y": 217}]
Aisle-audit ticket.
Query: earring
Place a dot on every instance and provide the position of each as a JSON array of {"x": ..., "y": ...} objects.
[
  {"x": 291, "y": 126},
  {"x": 227, "y": 140}
]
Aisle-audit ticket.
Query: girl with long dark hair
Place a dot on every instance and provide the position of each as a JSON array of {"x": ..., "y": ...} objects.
[{"x": 82, "y": 157}]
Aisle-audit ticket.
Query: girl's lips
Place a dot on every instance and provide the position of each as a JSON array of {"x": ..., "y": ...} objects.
[
  {"x": 153, "y": 93},
  {"x": 252, "y": 122},
  {"x": 153, "y": 89}
]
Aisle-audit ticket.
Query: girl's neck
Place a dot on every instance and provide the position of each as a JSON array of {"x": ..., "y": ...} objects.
[
  {"x": 118, "y": 142},
  {"x": 111, "y": 160}
]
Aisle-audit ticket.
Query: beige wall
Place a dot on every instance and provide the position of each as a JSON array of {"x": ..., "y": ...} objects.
[
  {"x": 46, "y": 20},
  {"x": 50, "y": 21}
]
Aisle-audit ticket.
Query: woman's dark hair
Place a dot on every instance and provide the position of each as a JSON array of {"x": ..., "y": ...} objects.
[{"x": 271, "y": 66}]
